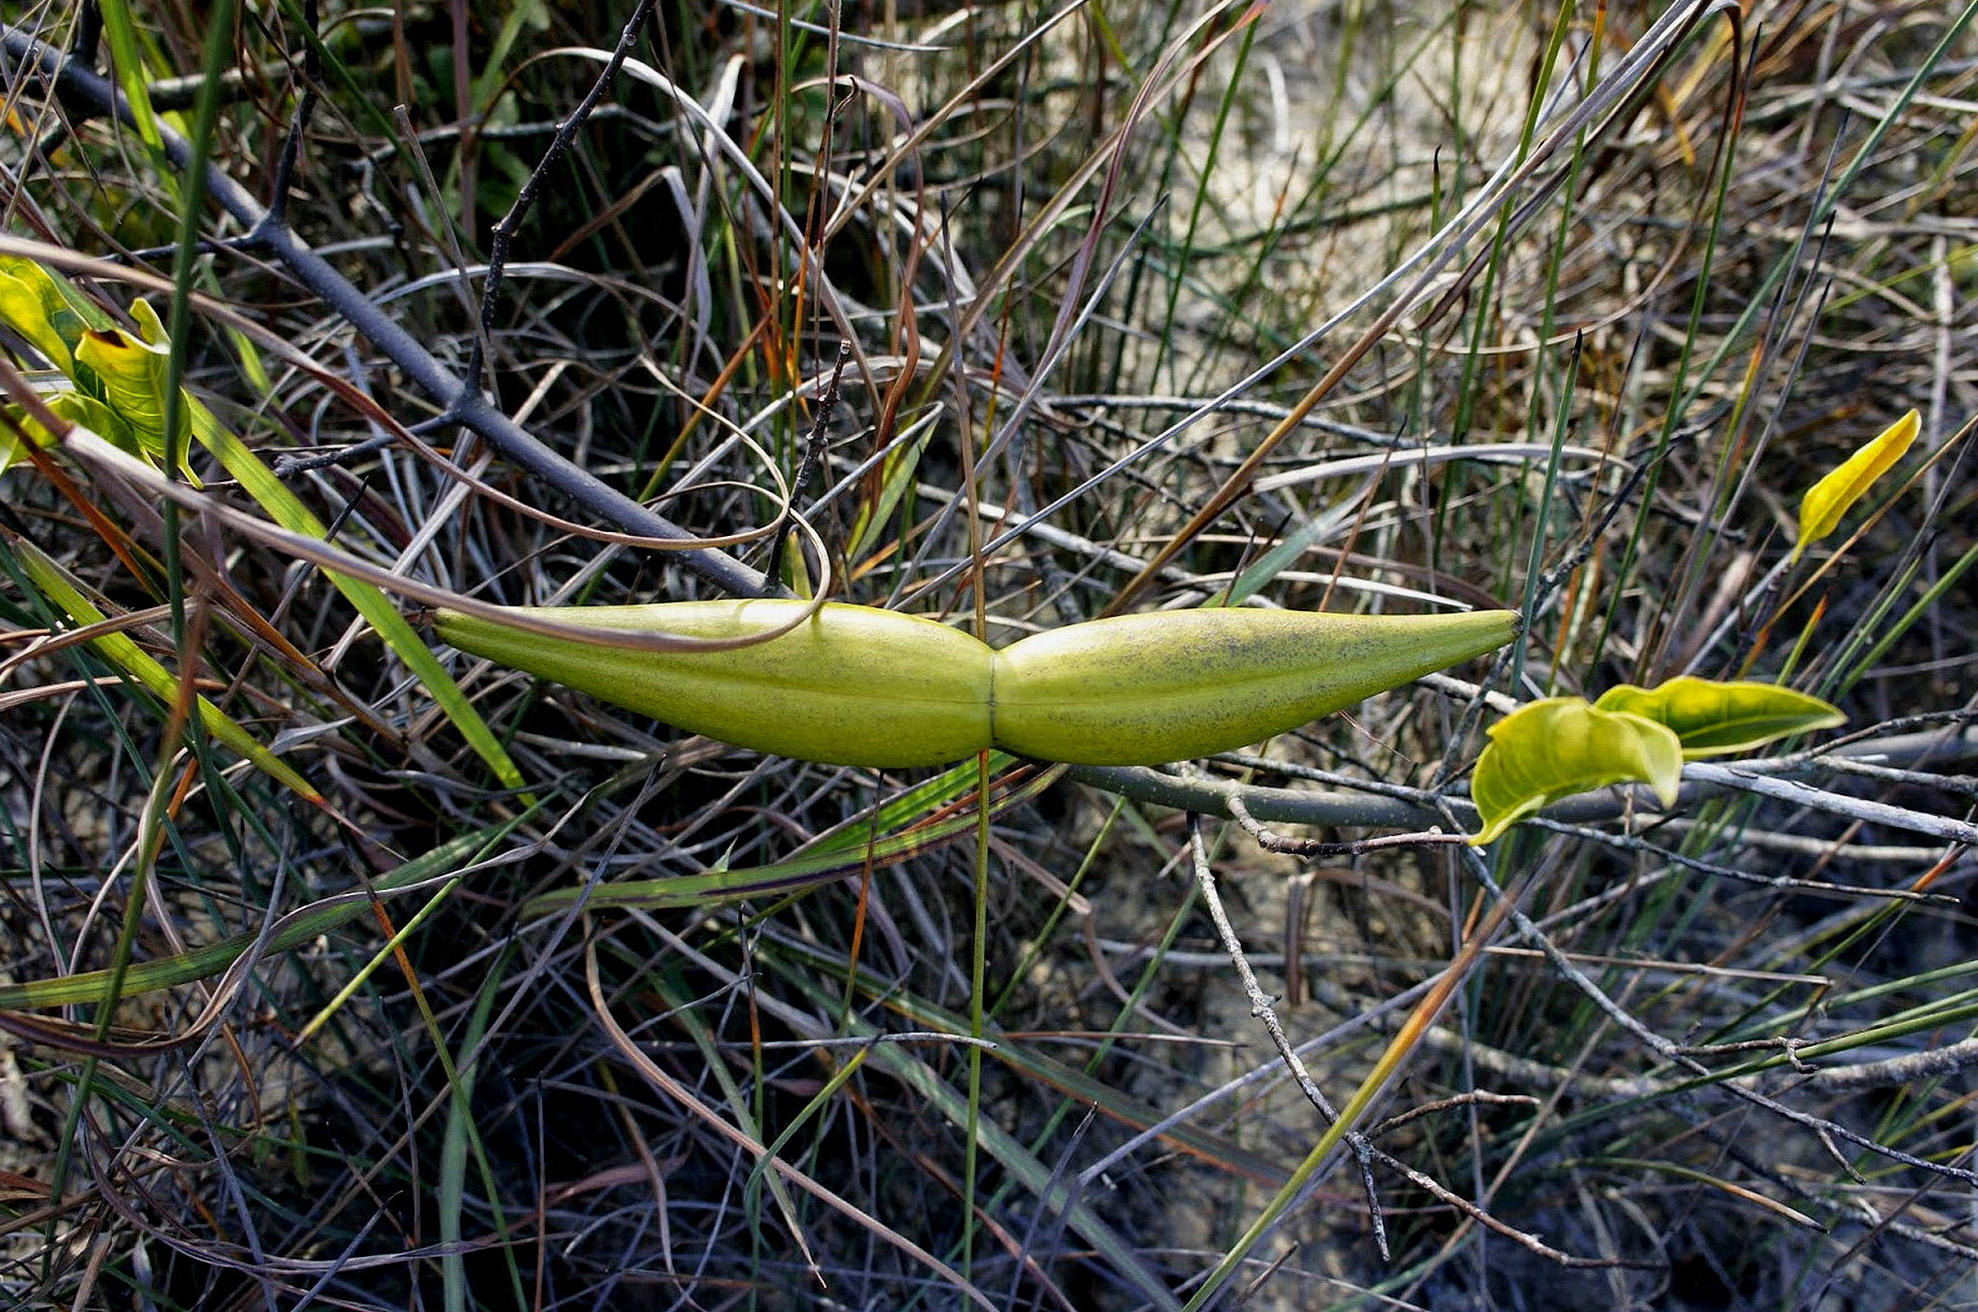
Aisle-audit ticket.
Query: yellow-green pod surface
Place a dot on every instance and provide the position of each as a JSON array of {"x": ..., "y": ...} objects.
[
  {"x": 853, "y": 685},
  {"x": 1170, "y": 686}
]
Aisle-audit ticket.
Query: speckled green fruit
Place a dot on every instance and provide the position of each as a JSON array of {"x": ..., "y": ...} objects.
[{"x": 854, "y": 685}]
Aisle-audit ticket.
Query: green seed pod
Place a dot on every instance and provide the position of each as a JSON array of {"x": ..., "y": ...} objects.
[
  {"x": 1173, "y": 685},
  {"x": 858, "y": 686},
  {"x": 853, "y": 685}
]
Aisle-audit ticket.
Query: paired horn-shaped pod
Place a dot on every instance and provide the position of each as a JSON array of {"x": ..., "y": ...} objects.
[{"x": 854, "y": 685}]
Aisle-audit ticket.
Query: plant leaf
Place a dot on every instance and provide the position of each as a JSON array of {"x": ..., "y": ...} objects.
[
  {"x": 57, "y": 320},
  {"x": 1561, "y": 746},
  {"x": 134, "y": 373},
  {"x": 86, "y": 411},
  {"x": 44, "y": 298},
  {"x": 292, "y": 930},
  {"x": 29, "y": 302},
  {"x": 896, "y": 473},
  {"x": 1820, "y": 510},
  {"x": 1052, "y": 1191},
  {"x": 1713, "y": 718},
  {"x": 870, "y": 841}
]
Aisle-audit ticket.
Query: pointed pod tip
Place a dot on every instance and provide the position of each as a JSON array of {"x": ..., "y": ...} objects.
[{"x": 1500, "y": 626}]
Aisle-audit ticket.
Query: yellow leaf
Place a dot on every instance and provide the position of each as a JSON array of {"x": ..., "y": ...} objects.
[
  {"x": 1829, "y": 499},
  {"x": 1561, "y": 746},
  {"x": 134, "y": 372},
  {"x": 28, "y": 305},
  {"x": 72, "y": 406},
  {"x": 1713, "y": 718}
]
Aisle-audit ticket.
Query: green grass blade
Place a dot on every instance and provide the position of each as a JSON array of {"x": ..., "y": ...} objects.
[
  {"x": 292, "y": 930},
  {"x": 377, "y": 609},
  {"x": 64, "y": 591}
]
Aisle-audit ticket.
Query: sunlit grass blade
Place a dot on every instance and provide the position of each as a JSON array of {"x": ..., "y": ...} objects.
[
  {"x": 1050, "y": 1190},
  {"x": 292, "y": 930},
  {"x": 1209, "y": 1147},
  {"x": 64, "y": 591},
  {"x": 377, "y": 609},
  {"x": 927, "y": 813}
]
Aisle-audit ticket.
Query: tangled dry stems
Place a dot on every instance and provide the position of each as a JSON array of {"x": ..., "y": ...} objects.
[{"x": 1055, "y": 299}]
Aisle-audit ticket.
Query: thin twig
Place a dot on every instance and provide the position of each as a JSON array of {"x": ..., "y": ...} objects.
[
  {"x": 1911, "y": 1068},
  {"x": 1384, "y": 805},
  {"x": 1824, "y": 1130},
  {"x": 1363, "y": 1150},
  {"x": 86, "y": 91},
  {"x": 815, "y": 444},
  {"x": 1261, "y": 1007},
  {"x": 305, "y": 107},
  {"x": 503, "y": 233},
  {"x": 1474, "y": 1098},
  {"x": 1318, "y": 847}
]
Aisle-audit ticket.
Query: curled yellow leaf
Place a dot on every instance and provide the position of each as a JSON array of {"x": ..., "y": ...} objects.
[
  {"x": 134, "y": 372},
  {"x": 134, "y": 369},
  {"x": 1820, "y": 510},
  {"x": 1562, "y": 745}
]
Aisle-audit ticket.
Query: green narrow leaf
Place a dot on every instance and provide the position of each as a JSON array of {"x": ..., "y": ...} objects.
[
  {"x": 1046, "y": 1185},
  {"x": 1713, "y": 718},
  {"x": 1281, "y": 557},
  {"x": 101, "y": 350},
  {"x": 1561, "y": 746},
  {"x": 131, "y": 361},
  {"x": 932, "y": 796},
  {"x": 1829, "y": 499},
  {"x": 681, "y": 1008},
  {"x": 896, "y": 473},
  {"x": 850, "y": 846},
  {"x": 121, "y": 650},
  {"x": 799, "y": 964},
  {"x": 127, "y": 55},
  {"x": 531, "y": 14},
  {"x": 285, "y": 509},
  {"x": 293, "y": 930}
]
